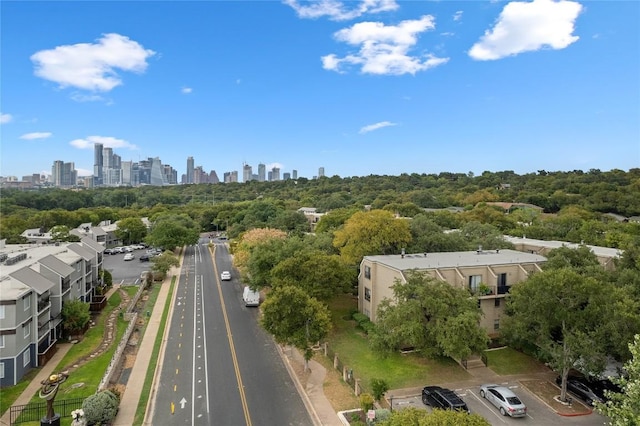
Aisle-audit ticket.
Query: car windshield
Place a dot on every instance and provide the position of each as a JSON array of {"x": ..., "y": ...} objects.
[{"x": 513, "y": 400}]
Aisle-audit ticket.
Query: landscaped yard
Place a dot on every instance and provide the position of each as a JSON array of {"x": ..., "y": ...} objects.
[
  {"x": 398, "y": 370},
  {"x": 506, "y": 361}
]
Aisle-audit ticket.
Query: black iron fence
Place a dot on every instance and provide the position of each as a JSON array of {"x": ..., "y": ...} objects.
[{"x": 35, "y": 411}]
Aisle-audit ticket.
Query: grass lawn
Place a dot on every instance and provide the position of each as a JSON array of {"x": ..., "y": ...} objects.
[
  {"x": 506, "y": 361},
  {"x": 398, "y": 370}
]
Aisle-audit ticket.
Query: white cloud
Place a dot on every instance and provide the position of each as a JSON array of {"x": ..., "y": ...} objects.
[
  {"x": 92, "y": 66},
  {"x": 384, "y": 48},
  {"x": 376, "y": 126},
  {"x": 457, "y": 16},
  {"x": 81, "y": 97},
  {"x": 107, "y": 141},
  {"x": 186, "y": 90},
  {"x": 36, "y": 135},
  {"x": 526, "y": 27},
  {"x": 84, "y": 172},
  {"x": 270, "y": 166},
  {"x": 5, "y": 118},
  {"x": 338, "y": 11}
]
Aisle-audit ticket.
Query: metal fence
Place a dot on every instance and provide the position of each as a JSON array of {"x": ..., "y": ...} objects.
[{"x": 35, "y": 411}]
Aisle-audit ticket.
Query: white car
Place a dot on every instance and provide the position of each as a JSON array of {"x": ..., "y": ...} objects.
[
  {"x": 129, "y": 256},
  {"x": 504, "y": 399},
  {"x": 225, "y": 276}
]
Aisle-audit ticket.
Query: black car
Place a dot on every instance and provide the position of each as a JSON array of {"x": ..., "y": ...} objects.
[
  {"x": 580, "y": 389},
  {"x": 144, "y": 258},
  {"x": 442, "y": 398}
]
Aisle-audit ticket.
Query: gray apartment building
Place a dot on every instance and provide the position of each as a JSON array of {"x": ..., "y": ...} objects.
[{"x": 35, "y": 282}]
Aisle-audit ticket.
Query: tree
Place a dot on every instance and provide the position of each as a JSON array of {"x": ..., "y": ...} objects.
[
  {"x": 61, "y": 233},
  {"x": 623, "y": 409},
  {"x": 130, "y": 230},
  {"x": 170, "y": 231},
  {"x": 251, "y": 239},
  {"x": 431, "y": 316},
  {"x": 370, "y": 233},
  {"x": 415, "y": 417},
  {"x": 164, "y": 262},
  {"x": 76, "y": 315},
  {"x": 100, "y": 408},
  {"x": 320, "y": 275},
  {"x": 563, "y": 314},
  {"x": 334, "y": 219},
  {"x": 294, "y": 318}
]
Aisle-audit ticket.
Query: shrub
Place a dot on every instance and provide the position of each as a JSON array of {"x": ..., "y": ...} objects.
[
  {"x": 359, "y": 317},
  {"x": 378, "y": 387},
  {"x": 100, "y": 408},
  {"x": 366, "y": 401}
]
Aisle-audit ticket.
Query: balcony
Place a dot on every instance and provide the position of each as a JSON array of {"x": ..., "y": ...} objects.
[
  {"x": 503, "y": 289},
  {"x": 483, "y": 290},
  {"x": 43, "y": 304}
]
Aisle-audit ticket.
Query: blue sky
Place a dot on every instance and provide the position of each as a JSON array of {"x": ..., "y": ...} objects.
[{"x": 360, "y": 87}]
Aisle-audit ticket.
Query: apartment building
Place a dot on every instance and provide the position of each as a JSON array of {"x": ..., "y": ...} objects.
[
  {"x": 488, "y": 274},
  {"x": 35, "y": 282}
]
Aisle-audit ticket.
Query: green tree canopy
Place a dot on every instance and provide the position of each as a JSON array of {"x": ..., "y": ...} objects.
[
  {"x": 131, "y": 230},
  {"x": 75, "y": 315},
  {"x": 294, "y": 318},
  {"x": 371, "y": 233},
  {"x": 563, "y": 314},
  {"x": 320, "y": 275},
  {"x": 170, "y": 231},
  {"x": 431, "y": 316},
  {"x": 164, "y": 262}
]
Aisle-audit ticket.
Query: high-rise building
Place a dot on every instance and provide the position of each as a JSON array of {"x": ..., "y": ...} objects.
[
  {"x": 247, "y": 173},
  {"x": 127, "y": 167},
  {"x": 63, "y": 174},
  {"x": 213, "y": 177},
  {"x": 286, "y": 176},
  {"x": 275, "y": 174},
  {"x": 262, "y": 172},
  {"x": 157, "y": 177},
  {"x": 321, "y": 172},
  {"x": 190, "y": 170},
  {"x": 97, "y": 164},
  {"x": 294, "y": 174}
]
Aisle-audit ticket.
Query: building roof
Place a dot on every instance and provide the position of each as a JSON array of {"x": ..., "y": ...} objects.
[
  {"x": 93, "y": 244},
  {"x": 32, "y": 279},
  {"x": 12, "y": 289},
  {"x": 57, "y": 265},
  {"x": 87, "y": 254},
  {"x": 456, "y": 259},
  {"x": 597, "y": 250}
]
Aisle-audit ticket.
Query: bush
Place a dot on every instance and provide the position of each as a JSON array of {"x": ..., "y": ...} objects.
[
  {"x": 100, "y": 408},
  {"x": 366, "y": 402},
  {"x": 359, "y": 317},
  {"x": 363, "y": 322},
  {"x": 378, "y": 387}
]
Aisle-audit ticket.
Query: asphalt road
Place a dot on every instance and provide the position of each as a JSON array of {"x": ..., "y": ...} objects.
[{"x": 220, "y": 367}]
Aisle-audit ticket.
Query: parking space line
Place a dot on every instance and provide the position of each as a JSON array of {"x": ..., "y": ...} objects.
[{"x": 481, "y": 400}]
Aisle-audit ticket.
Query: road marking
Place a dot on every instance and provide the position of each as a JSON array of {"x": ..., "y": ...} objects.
[
  {"x": 173, "y": 408},
  {"x": 182, "y": 402},
  {"x": 486, "y": 405}
]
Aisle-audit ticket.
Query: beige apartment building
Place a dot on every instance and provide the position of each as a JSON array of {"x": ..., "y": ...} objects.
[{"x": 488, "y": 274}]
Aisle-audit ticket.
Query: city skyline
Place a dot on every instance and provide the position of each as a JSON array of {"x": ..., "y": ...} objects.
[{"x": 365, "y": 87}]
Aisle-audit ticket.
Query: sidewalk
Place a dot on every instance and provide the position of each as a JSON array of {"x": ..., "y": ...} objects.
[{"x": 45, "y": 371}]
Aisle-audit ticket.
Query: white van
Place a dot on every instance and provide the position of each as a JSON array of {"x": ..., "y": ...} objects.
[{"x": 250, "y": 297}]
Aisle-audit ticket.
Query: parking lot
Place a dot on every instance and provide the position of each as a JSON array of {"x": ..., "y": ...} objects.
[
  {"x": 538, "y": 413},
  {"x": 126, "y": 272}
]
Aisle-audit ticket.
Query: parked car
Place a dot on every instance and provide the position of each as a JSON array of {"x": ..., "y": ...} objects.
[
  {"x": 504, "y": 399},
  {"x": 225, "y": 276},
  {"x": 442, "y": 398},
  {"x": 581, "y": 390},
  {"x": 599, "y": 386},
  {"x": 250, "y": 297},
  {"x": 145, "y": 258},
  {"x": 129, "y": 256},
  {"x": 110, "y": 251}
]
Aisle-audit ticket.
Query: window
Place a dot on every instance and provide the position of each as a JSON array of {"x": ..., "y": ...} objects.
[
  {"x": 474, "y": 283},
  {"x": 367, "y": 294},
  {"x": 26, "y": 329},
  {"x": 26, "y": 358},
  {"x": 1, "y": 370},
  {"x": 497, "y": 303},
  {"x": 26, "y": 301},
  {"x": 1, "y": 311},
  {"x": 496, "y": 324},
  {"x": 1, "y": 341},
  {"x": 367, "y": 272}
]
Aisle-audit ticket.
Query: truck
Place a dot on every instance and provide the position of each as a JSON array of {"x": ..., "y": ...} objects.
[{"x": 250, "y": 297}]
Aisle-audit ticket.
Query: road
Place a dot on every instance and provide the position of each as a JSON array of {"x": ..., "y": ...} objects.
[{"x": 220, "y": 367}]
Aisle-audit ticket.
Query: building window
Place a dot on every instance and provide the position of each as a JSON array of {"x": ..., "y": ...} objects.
[
  {"x": 26, "y": 301},
  {"x": 26, "y": 358},
  {"x": 474, "y": 283},
  {"x": 367, "y": 272},
  {"x": 497, "y": 303},
  {"x": 367, "y": 294},
  {"x": 26, "y": 329},
  {"x": 1, "y": 370},
  {"x": 1, "y": 341},
  {"x": 1, "y": 311},
  {"x": 496, "y": 324}
]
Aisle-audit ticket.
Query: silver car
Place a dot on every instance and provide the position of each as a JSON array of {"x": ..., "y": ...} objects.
[{"x": 504, "y": 399}]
